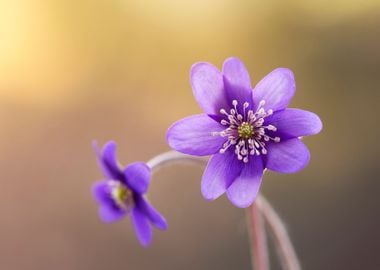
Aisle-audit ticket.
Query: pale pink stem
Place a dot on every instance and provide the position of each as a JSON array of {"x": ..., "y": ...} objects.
[
  {"x": 256, "y": 229},
  {"x": 285, "y": 249},
  {"x": 259, "y": 210}
]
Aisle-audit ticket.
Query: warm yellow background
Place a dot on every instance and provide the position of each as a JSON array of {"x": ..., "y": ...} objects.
[{"x": 73, "y": 71}]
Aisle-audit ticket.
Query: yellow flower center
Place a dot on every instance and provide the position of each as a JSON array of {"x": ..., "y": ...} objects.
[
  {"x": 122, "y": 195},
  {"x": 245, "y": 130}
]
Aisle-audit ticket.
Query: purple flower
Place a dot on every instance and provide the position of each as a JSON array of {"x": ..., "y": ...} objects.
[
  {"x": 122, "y": 193},
  {"x": 245, "y": 130}
]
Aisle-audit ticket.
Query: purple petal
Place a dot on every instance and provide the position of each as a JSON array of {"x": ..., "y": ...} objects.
[
  {"x": 292, "y": 123},
  {"x": 277, "y": 89},
  {"x": 142, "y": 227},
  {"x": 208, "y": 87},
  {"x": 221, "y": 171},
  {"x": 193, "y": 135},
  {"x": 287, "y": 156},
  {"x": 154, "y": 216},
  {"x": 244, "y": 189},
  {"x": 109, "y": 214},
  {"x": 237, "y": 81},
  {"x": 100, "y": 191},
  {"x": 107, "y": 160},
  {"x": 108, "y": 211},
  {"x": 138, "y": 175}
]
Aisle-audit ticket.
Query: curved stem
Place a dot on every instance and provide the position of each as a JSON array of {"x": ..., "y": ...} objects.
[
  {"x": 171, "y": 157},
  {"x": 284, "y": 246},
  {"x": 257, "y": 234},
  {"x": 261, "y": 208}
]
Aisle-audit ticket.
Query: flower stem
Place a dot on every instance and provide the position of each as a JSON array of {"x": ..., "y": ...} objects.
[
  {"x": 259, "y": 211},
  {"x": 256, "y": 229},
  {"x": 285, "y": 249},
  {"x": 172, "y": 157}
]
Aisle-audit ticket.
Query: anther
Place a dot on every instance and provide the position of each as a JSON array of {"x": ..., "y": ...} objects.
[{"x": 245, "y": 130}]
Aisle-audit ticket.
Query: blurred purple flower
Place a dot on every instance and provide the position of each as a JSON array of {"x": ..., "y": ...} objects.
[
  {"x": 246, "y": 130},
  {"x": 121, "y": 194}
]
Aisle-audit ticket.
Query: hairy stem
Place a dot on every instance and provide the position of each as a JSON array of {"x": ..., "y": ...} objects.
[{"x": 259, "y": 210}]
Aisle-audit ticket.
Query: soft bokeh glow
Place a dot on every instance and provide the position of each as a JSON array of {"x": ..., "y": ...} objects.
[{"x": 74, "y": 71}]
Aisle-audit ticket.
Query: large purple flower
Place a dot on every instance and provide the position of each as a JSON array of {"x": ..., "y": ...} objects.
[
  {"x": 246, "y": 130},
  {"x": 122, "y": 193}
]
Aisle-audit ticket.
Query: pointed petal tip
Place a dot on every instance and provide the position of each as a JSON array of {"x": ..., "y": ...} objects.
[
  {"x": 108, "y": 146},
  {"x": 211, "y": 192},
  {"x": 208, "y": 87},
  {"x": 284, "y": 72},
  {"x": 142, "y": 227},
  {"x": 293, "y": 123},
  {"x": 163, "y": 226},
  {"x": 145, "y": 242},
  {"x": 232, "y": 59},
  {"x": 107, "y": 161},
  {"x": 209, "y": 195},
  {"x": 240, "y": 204},
  {"x": 201, "y": 67},
  {"x": 315, "y": 123},
  {"x": 198, "y": 65},
  {"x": 220, "y": 172},
  {"x": 277, "y": 89},
  {"x": 243, "y": 191},
  {"x": 155, "y": 217},
  {"x": 318, "y": 123},
  {"x": 237, "y": 81}
]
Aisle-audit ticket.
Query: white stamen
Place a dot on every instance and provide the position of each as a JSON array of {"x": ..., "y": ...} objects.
[
  {"x": 223, "y": 111},
  {"x": 271, "y": 127},
  {"x": 249, "y": 141},
  {"x": 224, "y": 122}
]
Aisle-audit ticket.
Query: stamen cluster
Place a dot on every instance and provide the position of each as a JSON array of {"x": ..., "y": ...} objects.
[
  {"x": 121, "y": 195},
  {"x": 246, "y": 130}
]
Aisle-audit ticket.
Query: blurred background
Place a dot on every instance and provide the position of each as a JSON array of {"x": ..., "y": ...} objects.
[{"x": 74, "y": 71}]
